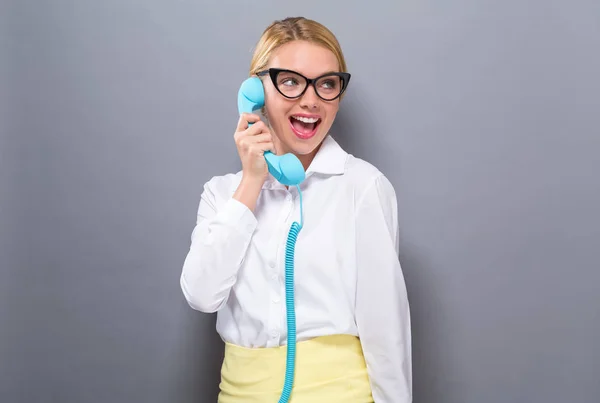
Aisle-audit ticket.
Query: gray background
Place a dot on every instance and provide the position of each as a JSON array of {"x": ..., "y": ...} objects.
[{"x": 484, "y": 115}]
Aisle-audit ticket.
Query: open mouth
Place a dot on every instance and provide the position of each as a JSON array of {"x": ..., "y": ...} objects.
[{"x": 304, "y": 127}]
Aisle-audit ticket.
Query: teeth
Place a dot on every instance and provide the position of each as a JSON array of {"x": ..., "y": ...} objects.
[{"x": 306, "y": 120}]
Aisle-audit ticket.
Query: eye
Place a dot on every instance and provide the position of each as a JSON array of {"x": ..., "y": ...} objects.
[
  {"x": 289, "y": 81},
  {"x": 329, "y": 84}
]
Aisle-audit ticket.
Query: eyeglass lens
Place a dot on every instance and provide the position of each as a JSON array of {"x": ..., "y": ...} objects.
[{"x": 292, "y": 85}]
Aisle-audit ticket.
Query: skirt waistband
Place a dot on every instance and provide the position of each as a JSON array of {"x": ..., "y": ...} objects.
[{"x": 328, "y": 369}]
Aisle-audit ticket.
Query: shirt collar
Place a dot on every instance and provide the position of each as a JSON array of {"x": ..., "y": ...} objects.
[{"x": 329, "y": 160}]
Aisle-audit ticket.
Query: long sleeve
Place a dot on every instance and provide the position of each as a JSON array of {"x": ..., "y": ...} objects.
[
  {"x": 382, "y": 309},
  {"x": 219, "y": 243}
]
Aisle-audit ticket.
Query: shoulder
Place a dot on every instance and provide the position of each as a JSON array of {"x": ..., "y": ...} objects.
[
  {"x": 375, "y": 203},
  {"x": 367, "y": 179}
]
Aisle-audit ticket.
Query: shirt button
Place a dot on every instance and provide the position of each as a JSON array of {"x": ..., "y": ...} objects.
[
  {"x": 276, "y": 300},
  {"x": 272, "y": 264},
  {"x": 274, "y": 333},
  {"x": 288, "y": 197},
  {"x": 274, "y": 276}
]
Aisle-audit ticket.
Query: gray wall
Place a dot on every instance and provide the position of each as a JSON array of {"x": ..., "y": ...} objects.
[{"x": 484, "y": 115}]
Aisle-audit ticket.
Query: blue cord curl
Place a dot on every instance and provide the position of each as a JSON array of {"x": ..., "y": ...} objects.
[{"x": 289, "y": 304}]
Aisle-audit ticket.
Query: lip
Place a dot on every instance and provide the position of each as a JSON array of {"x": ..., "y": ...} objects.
[{"x": 305, "y": 136}]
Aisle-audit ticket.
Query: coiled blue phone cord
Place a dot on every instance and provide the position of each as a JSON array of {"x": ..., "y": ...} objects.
[{"x": 289, "y": 305}]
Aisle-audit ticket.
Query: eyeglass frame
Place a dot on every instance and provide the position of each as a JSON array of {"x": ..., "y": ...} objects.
[{"x": 273, "y": 72}]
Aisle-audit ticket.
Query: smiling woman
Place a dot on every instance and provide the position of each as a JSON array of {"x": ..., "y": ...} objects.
[
  {"x": 353, "y": 322},
  {"x": 307, "y": 78}
]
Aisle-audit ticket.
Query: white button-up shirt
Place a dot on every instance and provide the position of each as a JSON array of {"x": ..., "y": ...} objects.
[{"x": 348, "y": 279}]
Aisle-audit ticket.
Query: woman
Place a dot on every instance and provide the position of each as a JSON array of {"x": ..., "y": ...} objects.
[{"x": 352, "y": 314}]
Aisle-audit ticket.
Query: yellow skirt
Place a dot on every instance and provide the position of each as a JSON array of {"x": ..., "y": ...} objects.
[{"x": 329, "y": 369}]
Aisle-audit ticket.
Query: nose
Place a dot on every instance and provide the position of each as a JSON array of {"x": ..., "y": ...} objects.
[{"x": 309, "y": 99}]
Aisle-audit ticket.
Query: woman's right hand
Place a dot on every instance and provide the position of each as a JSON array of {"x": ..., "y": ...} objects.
[{"x": 251, "y": 143}]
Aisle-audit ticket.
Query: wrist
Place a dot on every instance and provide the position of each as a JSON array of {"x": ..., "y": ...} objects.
[
  {"x": 248, "y": 191},
  {"x": 252, "y": 181}
]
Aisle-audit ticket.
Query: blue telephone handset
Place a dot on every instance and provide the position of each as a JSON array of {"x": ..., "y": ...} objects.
[{"x": 288, "y": 170}]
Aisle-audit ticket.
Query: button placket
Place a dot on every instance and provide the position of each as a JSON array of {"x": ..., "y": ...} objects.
[
  {"x": 276, "y": 287},
  {"x": 273, "y": 328},
  {"x": 279, "y": 295}
]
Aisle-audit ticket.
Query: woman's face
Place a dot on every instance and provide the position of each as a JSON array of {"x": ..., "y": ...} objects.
[{"x": 300, "y": 125}]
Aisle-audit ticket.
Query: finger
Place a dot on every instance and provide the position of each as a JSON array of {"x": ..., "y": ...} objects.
[
  {"x": 262, "y": 138},
  {"x": 257, "y": 128},
  {"x": 246, "y": 118},
  {"x": 257, "y": 144},
  {"x": 247, "y": 142},
  {"x": 253, "y": 130},
  {"x": 266, "y": 146}
]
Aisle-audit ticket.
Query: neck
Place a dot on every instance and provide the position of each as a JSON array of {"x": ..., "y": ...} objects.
[{"x": 305, "y": 159}]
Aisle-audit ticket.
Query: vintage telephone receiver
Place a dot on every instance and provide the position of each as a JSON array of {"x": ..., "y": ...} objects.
[{"x": 288, "y": 170}]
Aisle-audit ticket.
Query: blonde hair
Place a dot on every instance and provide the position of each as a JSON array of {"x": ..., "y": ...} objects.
[{"x": 291, "y": 29}]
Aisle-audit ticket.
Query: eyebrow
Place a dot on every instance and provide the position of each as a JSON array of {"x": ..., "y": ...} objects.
[{"x": 317, "y": 75}]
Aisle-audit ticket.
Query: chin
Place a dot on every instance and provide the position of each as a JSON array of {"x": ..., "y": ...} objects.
[{"x": 303, "y": 147}]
